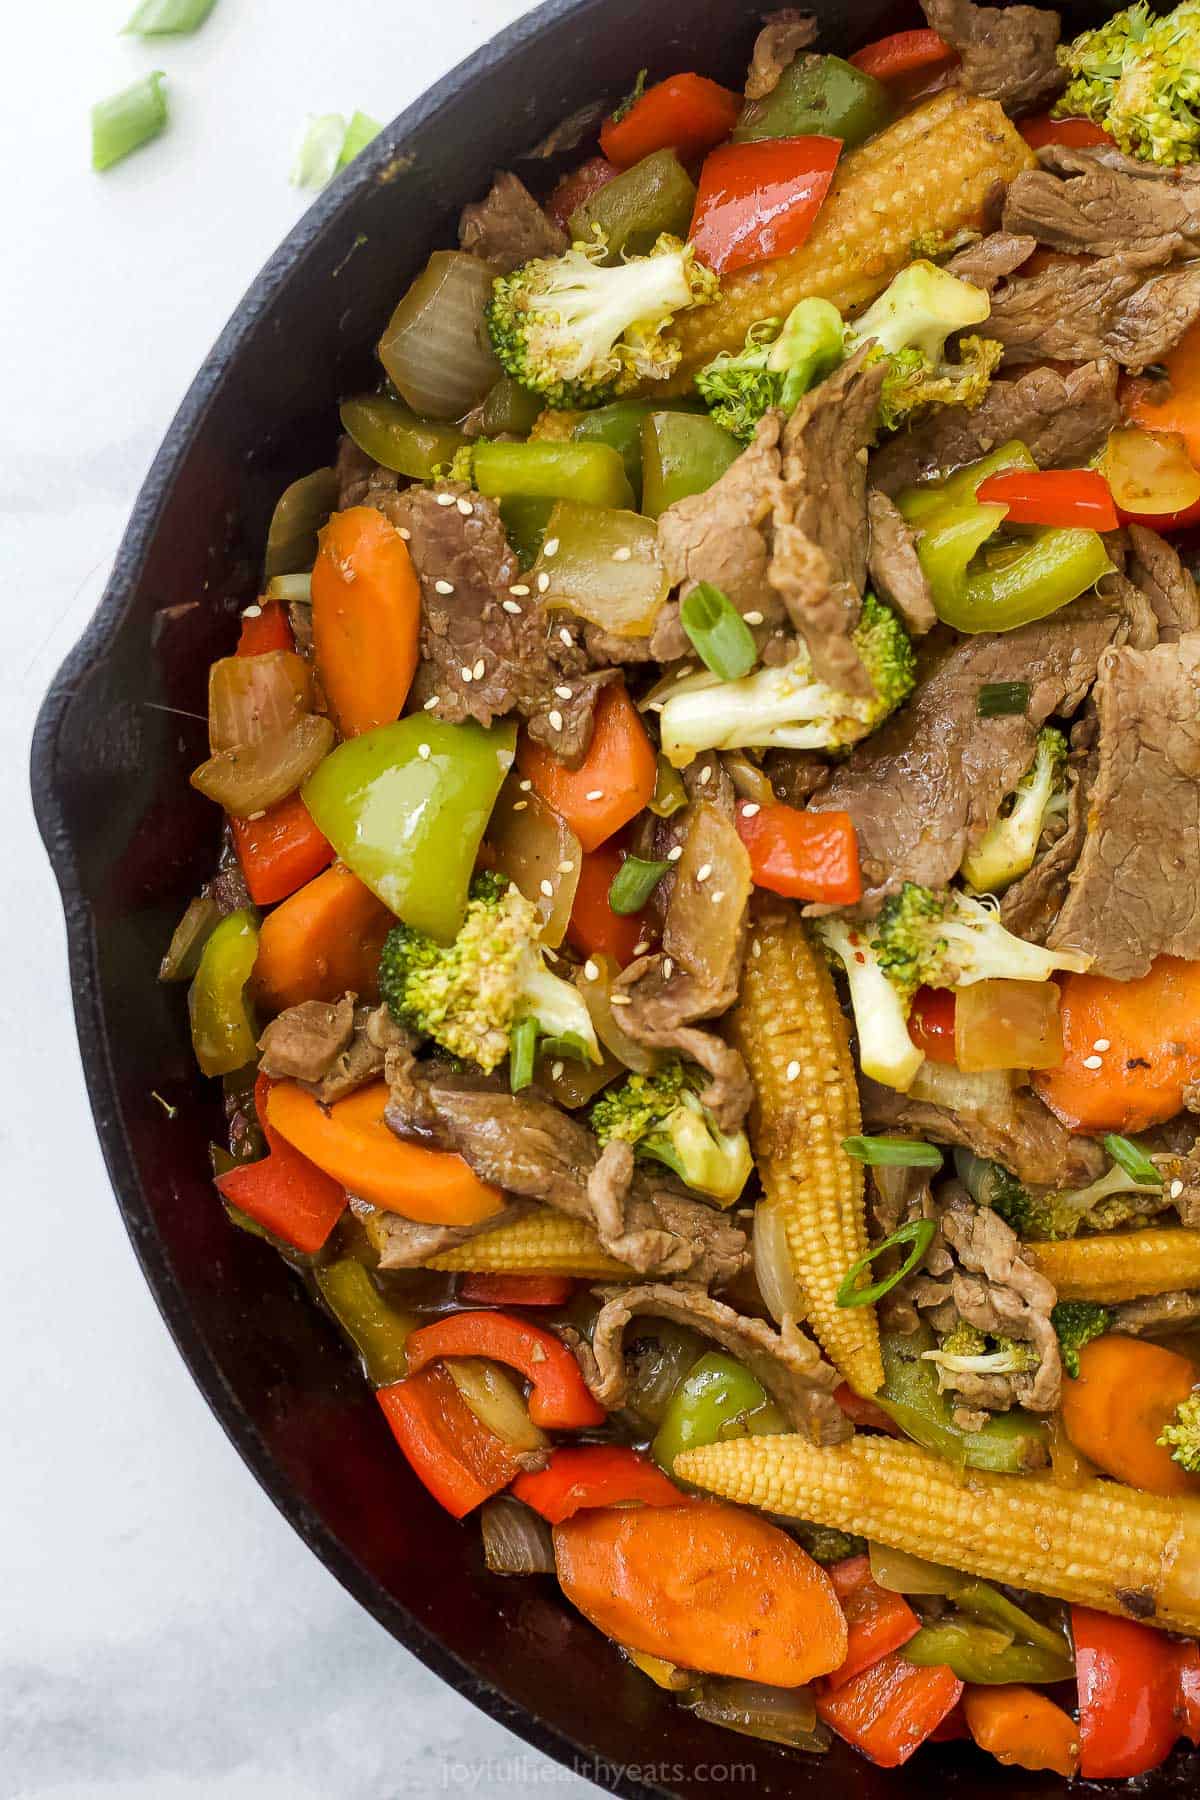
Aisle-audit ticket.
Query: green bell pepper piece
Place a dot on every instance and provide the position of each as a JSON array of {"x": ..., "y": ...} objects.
[
  {"x": 991, "y": 1607},
  {"x": 396, "y": 437},
  {"x": 1009, "y": 1444},
  {"x": 406, "y": 805},
  {"x": 978, "y": 1654},
  {"x": 377, "y": 1331},
  {"x": 718, "y": 1399},
  {"x": 818, "y": 96},
  {"x": 550, "y": 470},
  {"x": 510, "y": 410},
  {"x": 223, "y": 1032},
  {"x": 682, "y": 454},
  {"x": 525, "y": 521},
  {"x": 633, "y": 210},
  {"x": 300, "y": 512},
  {"x": 619, "y": 425}
]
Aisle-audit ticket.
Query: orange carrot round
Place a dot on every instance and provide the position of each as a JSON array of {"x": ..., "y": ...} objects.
[
  {"x": 1115, "y": 1410},
  {"x": 1019, "y": 1725},
  {"x": 705, "y": 1586},
  {"x": 366, "y": 614},
  {"x": 351, "y": 1142},
  {"x": 1146, "y": 1034},
  {"x": 614, "y": 781},
  {"x": 325, "y": 940}
]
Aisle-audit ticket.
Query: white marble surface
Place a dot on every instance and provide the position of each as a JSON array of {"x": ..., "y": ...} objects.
[{"x": 163, "y": 1635}]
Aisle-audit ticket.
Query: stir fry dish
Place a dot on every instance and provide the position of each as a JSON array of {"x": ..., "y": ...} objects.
[{"x": 704, "y": 963}]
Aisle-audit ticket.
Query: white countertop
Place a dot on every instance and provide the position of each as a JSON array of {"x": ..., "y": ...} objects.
[{"x": 163, "y": 1634}]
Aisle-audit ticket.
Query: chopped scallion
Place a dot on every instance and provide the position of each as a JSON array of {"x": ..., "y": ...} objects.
[
  {"x": 633, "y": 884},
  {"x": 318, "y": 159},
  {"x": 127, "y": 120},
  {"x": 720, "y": 636},
  {"x": 918, "y": 1232},
  {"x": 161, "y": 18},
  {"x": 522, "y": 1052},
  {"x": 361, "y": 129},
  {"x": 893, "y": 1152},
  {"x": 623, "y": 109},
  {"x": 996, "y": 699},
  {"x": 1133, "y": 1159}
]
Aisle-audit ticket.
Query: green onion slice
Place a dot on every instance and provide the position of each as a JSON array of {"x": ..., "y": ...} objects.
[
  {"x": 626, "y": 106},
  {"x": 633, "y": 884},
  {"x": 361, "y": 129},
  {"x": 893, "y": 1152},
  {"x": 127, "y": 120},
  {"x": 918, "y": 1232},
  {"x": 720, "y": 636},
  {"x": 1133, "y": 1159},
  {"x": 522, "y": 1053},
  {"x": 996, "y": 699},
  {"x": 318, "y": 159},
  {"x": 160, "y": 18}
]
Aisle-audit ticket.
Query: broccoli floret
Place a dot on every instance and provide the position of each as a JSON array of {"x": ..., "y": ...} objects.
[
  {"x": 1077, "y": 1322},
  {"x": 1009, "y": 846},
  {"x": 1114, "y": 1200},
  {"x": 788, "y": 706},
  {"x": 580, "y": 333},
  {"x": 824, "y": 1543},
  {"x": 909, "y": 324},
  {"x": 966, "y": 1351},
  {"x": 662, "y": 1116},
  {"x": 886, "y": 1052},
  {"x": 1138, "y": 76},
  {"x": 461, "y": 466},
  {"x": 776, "y": 366},
  {"x": 953, "y": 940},
  {"x": 477, "y": 996},
  {"x": 1182, "y": 1436}
]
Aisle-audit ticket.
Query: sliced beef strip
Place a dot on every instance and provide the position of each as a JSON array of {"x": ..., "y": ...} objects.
[
  {"x": 922, "y": 790},
  {"x": 993, "y": 258},
  {"x": 1116, "y": 306},
  {"x": 1008, "y": 53},
  {"x": 787, "y": 1363},
  {"x": 795, "y": 775},
  {"x": 783, "y": 36},
  {"x": 723, "y": 535},
  {"x": 479, "y": 659},
  {"x": 1078, "y": 201},
  {"x": 1176, "y": 1155},
  {"x": 1025, "y": 1137},
  {"x": 402, "y": 1243},
  {"x": 1133, "y": 894},
  {"x": 376, "y": 1034},
  {"x": 1030, "y": 906},
  {"x": 1155, "y": 568},
  {"x": 895, "y": 571},
  {"x": 1062, "y": 419},
  {"x": 509, "y": 228},
  {"x": 304, "y": 1042},
  {"x": 1158, "y": 1315},
  {"x": 360, "y": 478}
]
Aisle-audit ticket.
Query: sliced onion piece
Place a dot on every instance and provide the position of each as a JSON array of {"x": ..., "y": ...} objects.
[
  {"x": 516, "y": 1540},
  {"x": 947, "y": 1086},
  {"x": 289, "y": 588},
  {"x": 604, "y": 567},
  {"x": 1007, "y": 1025},
  {"x": 1150, "y": 471},
  {"x": 773, "y": 1267},
  {"x": 595, "y": 981},
  {"x": 571, "y": 1083},
  {"x": 299, "y": 514},
  {"x": 901, "y": 1573},
  {"x": 779, "y": 1715},
  {"x": 538, "y": 850},
  {"x": 748, "y": 779},
  {"x": 662, "y": 1673},
  {"x": 256, "y": 697},
  {"x": 250, "y": 779},
  {"x": 436, "y": 347},
  {"x": 188, "y": 939},
  {"x": 496, "y": 1400}
]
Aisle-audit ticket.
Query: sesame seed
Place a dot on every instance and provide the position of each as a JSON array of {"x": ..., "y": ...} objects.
[
  {"x": 624, "y": 554},
  {"x": 703, "y": 872},
  {"x": 716, "y": 895},
  {"x": 556, "y": 1071},
  {"x": 753, "y": 618},
  {"x": 525, "y": 785},
  {"x": 706, "y": 775},
  {"x": 547, "y": 888},
  {"x": 405, "y": 533},
  {"x": 543, "y": 582},
  {"x": 556, "y": 720},
  {"x": 443, "y": 587},
  {"x": 466, "y": 673},
  {"x": 445, "y": 499},
  {"x": 479, "y": 669},
  {"x": 550, "y": 547},
  {"x": 750, "y": 808},
  {"x": 260, "y": 814},
  {"x": 590, "y": 971},
  {"x": 641, "y": 947},
  {"x": 594, "y": 794},
  {"x": 566, "y": 637},
  {"x": 1093, "y": 1062},
  {"x": 520, "y": 589},
  {"x": 674, "y": 853},
  {"x": 1101, "y": 1044},
  {"x": 431, "y": 703},
  {"x": 252, "y": 612},
  {"x": 1176, "y": 1189},
  {"x": 520, "y": 805},
  {"x": 793, "y": 1070},
  {"x": 465, "y": 507},
  {"x": 668, "y": 968},
  {"x": 756, "y": 949},
  {"x": 510, "y": 606},
  {"x": 424, "y": 752},
  {"x": 619, "y": 1000},
  {"x": 565, "y": 867},
  {"x": 564, "y": 693}
]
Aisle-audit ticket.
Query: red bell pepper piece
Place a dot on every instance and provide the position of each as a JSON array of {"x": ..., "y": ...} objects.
[
  {"x": 587, "y": 1475},
  {"x": 931, "y": 1023},
  {"x": 757, "y": 201},
  {"x": 685, "y": 113},
  {"x": 284, "y": 1193},
  {"x": 1076, "y": 134},
  {"x": 265, "y": 630},
  {"x": 1187, "y": 1706},
  {"x": 803, "y": 855},
  {"x": 878, "y": 1620},
  {"x": 953, "y": 1728},
  {"x": 516, "y": 1290},
  {"x": 903, "y": 54},
  {"x": 460, "y": 1461},
  {"x": 280, "y": 851},
  {"x": 558, "y": 1397},
  {"x": 578, "y": 186},
  {"x": 594, "y": 928},
  {"x": 1129, "y": 1692},
  {"x": 863, "y": 1411},
  {"x": 1072, "y": 499},
  {"x": 888, "y": 1710}
]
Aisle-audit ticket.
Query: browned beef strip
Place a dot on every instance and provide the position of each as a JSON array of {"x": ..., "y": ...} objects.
[
  {"x": 1116, "y": 306},
  {"x": 1156, "y": 569},
  {"x": 783, "y": 36},
  {"x": 1008, "y": 53},
  {"x": 402, "y": 1243},
  {"x": 1061, "y": 419},
  {"x": 992, "y": 258},
  {"x": 479, "y": 659},
  {"x": 922, "y": 790},
  {"x": 896, "y": 574},
  {"x": 1079, "y": 201},
  {"x": 376, "y": 1034},
  {"x": 1024, "y": 1137},
  {"x": 1158, "y": 1315},
  {"x": 509, "y": 228},
  {"x": 360, "y": 478},
  {"x": 304, "y": 1042},
  {"x": 795, "y": 775},
  {"x": 723, "y": 535},
  {"x": 787, "y": 1363},
  {"x": 1030, "y": 906},
  {"x": 1133, "y": 895}
]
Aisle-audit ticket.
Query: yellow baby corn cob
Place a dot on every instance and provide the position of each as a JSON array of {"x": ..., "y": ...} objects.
[
  {"x": 543, "y": 1243},
  {"x": 1120, "y": 1265},
  {"x": 1100, "y": 1544},
  {"x": 929, "y": 173},
  {"x": 789, "y": 1027}
]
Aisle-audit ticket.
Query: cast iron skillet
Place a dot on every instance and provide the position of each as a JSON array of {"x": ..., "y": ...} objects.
[{"x": 130, "y": 843}]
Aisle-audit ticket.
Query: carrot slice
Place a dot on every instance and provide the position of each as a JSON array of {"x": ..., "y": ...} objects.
[
  {"x": 1019, "y": 1725},
  {"x": 351, "y": 1142},
  {"x": 614, "y": 781},
  {"x": 1116, "y": 1408},
  {"x": 706, "y": 1586},
  {"x": 366, "y": 611},
  {"x": 324, "y": 940},
  {"x": 1146, "y": 1034}
]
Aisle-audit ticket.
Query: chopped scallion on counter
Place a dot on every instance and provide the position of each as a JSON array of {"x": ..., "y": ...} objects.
[
  {"x": 161, "y": 18},
  {"x": 721, "y": 637},
  {"x": 127, "y": 120},
  {"x": 359, "y": 133},
  {"x": 633, "y": 884},
  {"x": 893, "y": 1152}
]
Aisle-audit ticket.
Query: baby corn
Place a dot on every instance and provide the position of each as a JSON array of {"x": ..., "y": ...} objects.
[
  {"x": 1120, "y": 1265},
  {"x": 928, "y": 174},
  {"x": 789, "y": 1027},
  {"x": 1101, "y": 1544},
  {"x": 543, "y": 1243}
]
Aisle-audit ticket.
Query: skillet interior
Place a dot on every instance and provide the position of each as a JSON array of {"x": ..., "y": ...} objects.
[{"x": 130, "y": 842}]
